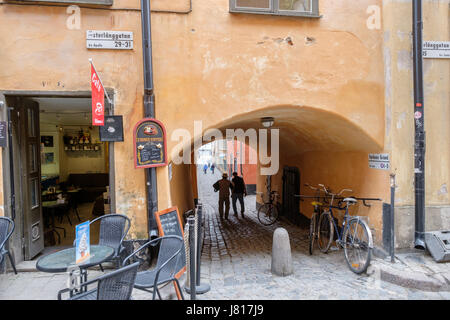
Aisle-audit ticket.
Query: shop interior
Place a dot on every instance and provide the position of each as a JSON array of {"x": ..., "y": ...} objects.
[{"x": 74, "y": 169}]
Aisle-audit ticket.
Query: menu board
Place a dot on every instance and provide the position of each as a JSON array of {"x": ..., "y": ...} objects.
[
  {"x": 150, "y": 146},
  {"x": 169, "y": 223}
]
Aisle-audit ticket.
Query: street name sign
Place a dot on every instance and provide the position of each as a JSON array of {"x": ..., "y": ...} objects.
[
  {"x": 117, "y": 40},
  {"x": 379, "y": 161},
  {"x": 436, "y": 49}
]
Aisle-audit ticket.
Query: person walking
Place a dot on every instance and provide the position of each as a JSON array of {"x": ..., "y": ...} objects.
[
  {"x": 212, "y": 168},
  {"x": 239, "y": 192},
  {"x": 205, "y": 167},
  {"x": 223, "y": 186}
]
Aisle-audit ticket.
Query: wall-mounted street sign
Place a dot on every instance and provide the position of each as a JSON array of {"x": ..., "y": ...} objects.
[
  {"x": 150, "y": 147},
  {"x": 436, "y": 49},
  {"x": 379, "y": 161},
  {"x": 119, "y": 40},
  {"x": 112, "y": 130}
]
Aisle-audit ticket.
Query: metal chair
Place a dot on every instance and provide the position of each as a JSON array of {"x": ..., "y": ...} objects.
[
  {"x": 113, "y": 229},
  {"x": 116, "y": 285},
  {"x": 6, "y": 230},
  {"x": 169, "y": 257}
]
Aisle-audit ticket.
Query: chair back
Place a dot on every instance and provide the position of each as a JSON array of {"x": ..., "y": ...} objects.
[
  {"x": 118, "y": 284},
  {"x": 113, "y": 229},
  {"x": 169, "y": 246},
  {"x": 6, "y": 229}
]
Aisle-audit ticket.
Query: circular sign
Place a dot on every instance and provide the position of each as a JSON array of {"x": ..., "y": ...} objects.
[{"x": 417, "y": 115}]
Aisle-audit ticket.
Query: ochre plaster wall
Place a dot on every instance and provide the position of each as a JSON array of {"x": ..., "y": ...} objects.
[{"x": 209, "y": 65}]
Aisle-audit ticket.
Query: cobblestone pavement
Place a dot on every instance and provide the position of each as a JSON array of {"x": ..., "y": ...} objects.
[{"x": 236, "y": 261}]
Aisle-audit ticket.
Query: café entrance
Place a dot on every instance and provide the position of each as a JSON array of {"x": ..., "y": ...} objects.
[{"x": 57, "y": 172}]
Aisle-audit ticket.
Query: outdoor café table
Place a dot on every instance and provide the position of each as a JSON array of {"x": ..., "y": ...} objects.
[
  {"x": 63, "y": 260},
  {"x": 50, "y": 207}
]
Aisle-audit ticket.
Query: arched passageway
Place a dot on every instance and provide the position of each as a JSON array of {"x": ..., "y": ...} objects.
[{"x": 324, "y": 147}]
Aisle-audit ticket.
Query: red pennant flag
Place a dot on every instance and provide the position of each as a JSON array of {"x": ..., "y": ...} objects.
[{"x": 98, "y": 99}]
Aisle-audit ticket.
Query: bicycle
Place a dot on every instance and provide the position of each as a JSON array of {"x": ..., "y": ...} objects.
[
  {"x": 355, "y": 236},
  {"x": 268, "y": 212},
  {"x": 313, "y": 224}
]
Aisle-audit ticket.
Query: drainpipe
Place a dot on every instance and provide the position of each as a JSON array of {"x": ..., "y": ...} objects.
[
  {"x": 419, "y": 141},
  {"x": 149, "y": 112}
]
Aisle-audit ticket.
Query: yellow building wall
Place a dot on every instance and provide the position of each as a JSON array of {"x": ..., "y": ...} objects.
[{"x": 209, "y": 65}]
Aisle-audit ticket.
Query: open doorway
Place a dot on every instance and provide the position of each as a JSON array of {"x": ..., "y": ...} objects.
[{"x": 60, "y": 173}]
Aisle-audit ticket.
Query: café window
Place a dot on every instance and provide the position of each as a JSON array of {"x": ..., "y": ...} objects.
[{"x": 303, "y": 8}]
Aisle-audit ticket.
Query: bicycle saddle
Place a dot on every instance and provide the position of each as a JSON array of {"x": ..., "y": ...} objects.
[
  {"x": 350, "y": 200},
  {"x": 315, "y": 203}
]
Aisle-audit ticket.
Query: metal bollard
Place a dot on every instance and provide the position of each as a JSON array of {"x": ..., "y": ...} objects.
[
  {"x": 192, "y": 259},
  {"x": 200, "y": 288}
]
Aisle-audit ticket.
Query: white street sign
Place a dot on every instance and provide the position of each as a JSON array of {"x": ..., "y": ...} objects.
[
  {"x": 436, "y": 49},
  {"x": 379, "y": 161},
  {"x": 118, "y": 40}
]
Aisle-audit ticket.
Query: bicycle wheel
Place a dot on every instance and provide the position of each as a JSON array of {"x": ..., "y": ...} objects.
[
  {"x": 325, "y": 232},
  {"x": 356, "y": 241},
  {"x": 267, "y": 214},
  {"x": 312, "y": 232}
]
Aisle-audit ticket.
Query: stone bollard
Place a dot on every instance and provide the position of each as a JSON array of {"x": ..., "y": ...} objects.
[{"x": 281, "y": 253}]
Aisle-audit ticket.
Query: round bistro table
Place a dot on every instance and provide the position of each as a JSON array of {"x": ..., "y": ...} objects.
[{"x": 62, "y": 261}]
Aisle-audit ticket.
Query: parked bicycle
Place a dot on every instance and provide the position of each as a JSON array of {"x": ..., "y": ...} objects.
[
  {"x": 354, "y": 236},
  {"x": 268, "y": 212},
  {"x": 318, "y": 202}
]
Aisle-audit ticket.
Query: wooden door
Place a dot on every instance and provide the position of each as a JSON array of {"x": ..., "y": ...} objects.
[
  {"x": 31, "y": 178},
  {"x": 291, "y": 187}
]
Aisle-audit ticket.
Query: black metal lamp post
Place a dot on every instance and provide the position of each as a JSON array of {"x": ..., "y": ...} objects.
[{"x": 149, "y": 112}]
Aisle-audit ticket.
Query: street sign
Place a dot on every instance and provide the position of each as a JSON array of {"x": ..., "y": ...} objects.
[
  {"x": 436, "y": 49},
  {"x": 117, "y": 40},
  {"x": 379, "y": 161}
]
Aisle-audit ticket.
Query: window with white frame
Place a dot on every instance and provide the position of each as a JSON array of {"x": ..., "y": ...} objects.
[{"x": 304, "y": 8}]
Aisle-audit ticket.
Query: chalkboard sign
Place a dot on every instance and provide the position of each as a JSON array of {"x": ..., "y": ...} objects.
[
  {"x": 112, "y": 130},
  {"x": 3, "y": 134},
  {"x": 169, "y": 223},
  {"x": 150, "y": 146}
]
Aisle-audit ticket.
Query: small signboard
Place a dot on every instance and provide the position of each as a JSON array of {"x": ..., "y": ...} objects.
[
  {"x": 150, "y": 147},
  {"x": 82, "y": 242},
  {"x": 169, "y": 223},
  {"x": 379, "y": 161},
  {"x": 3, "y": 134},
  {"x": 436, "y": 49},
  {"x": 112, "y": 130},
  {"x": 117, "y": 40}
]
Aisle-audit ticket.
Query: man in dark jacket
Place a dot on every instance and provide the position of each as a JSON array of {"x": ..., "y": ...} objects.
[
  {"x": 239, "y": 192},
  {"x": 223, "y": 186}
]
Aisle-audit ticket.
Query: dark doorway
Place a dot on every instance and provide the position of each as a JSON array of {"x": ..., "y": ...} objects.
[{"x": 291, "y": 187}]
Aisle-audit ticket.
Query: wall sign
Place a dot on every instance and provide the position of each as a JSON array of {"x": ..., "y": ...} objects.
[
  {"x": 436, "y": 49},
  {"x": 379, "y": 161},
  {"x": 150, "y": 147},
  {"x": 118, "y": 40},
  {"x": 112, "y": 130}
]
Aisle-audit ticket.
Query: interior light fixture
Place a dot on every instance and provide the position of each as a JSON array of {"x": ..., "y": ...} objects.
[{"x": 267, "y": 122}]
